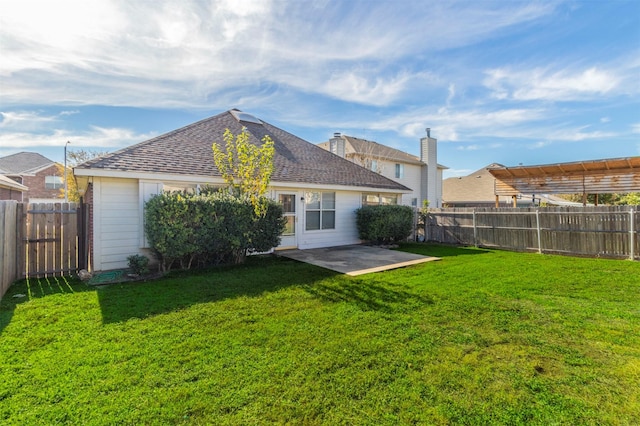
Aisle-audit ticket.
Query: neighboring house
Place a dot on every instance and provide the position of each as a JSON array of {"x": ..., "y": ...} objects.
[
  {"x": 478, "y": 190},
  {"x": 10, "y": 189},
  {"x": 421, "y": 174},
  {"x": 36, "y": 172},
  {"x": 318, "y": 190}
]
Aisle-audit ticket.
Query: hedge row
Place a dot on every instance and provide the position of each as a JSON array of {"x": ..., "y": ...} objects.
[
  {"x": 186, "y": 229},
  {"x": 384, "y": 224}
]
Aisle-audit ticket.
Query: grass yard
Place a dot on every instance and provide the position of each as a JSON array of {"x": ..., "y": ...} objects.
[{"x": 480, "y": 337}]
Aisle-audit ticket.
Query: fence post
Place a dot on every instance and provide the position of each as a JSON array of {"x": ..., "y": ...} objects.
[
  {"x": 538, "y": 229},
  {"x": 632, "y": 232},
  {"x": 475, "y": 235}
]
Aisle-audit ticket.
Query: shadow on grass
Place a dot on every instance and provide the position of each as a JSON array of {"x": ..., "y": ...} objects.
[
  {"x": 259, "y": 275},
  {"x": 36, "y": 288},
  {"x": 368, "y": 294},
  {"x": 441, "y": 250}
]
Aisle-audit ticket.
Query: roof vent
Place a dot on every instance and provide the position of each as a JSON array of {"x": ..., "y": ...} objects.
[
  {"x": 243, "y": 116},
  {"x": 336, "y": 135}
]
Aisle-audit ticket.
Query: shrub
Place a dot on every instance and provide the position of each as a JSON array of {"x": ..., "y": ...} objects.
[
  {"x": 384, "y": 224},
  {"x": 211, "y": 228},
  {"x": 138, "y": 264}
]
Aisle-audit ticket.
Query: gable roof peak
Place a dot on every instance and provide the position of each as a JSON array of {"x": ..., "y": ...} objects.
[{"x": 24, "y": 162}]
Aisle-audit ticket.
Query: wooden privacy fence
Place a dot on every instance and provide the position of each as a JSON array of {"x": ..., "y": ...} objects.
[
  {"x": 612, "y": 231},
  {"x": 41, "y": 240},
  {"x": 8, "y": 246}
]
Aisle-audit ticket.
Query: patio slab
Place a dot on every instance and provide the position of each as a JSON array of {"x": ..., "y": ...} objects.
[{"x": 356, "y": 259}]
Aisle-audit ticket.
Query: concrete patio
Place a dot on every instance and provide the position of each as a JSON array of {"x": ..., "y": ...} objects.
[{"x": 356, "y": 259}]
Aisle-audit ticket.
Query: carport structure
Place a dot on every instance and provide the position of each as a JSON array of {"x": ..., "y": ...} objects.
[{"x": 615, "y": 175}]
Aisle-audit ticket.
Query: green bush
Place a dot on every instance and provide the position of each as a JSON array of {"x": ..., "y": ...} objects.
[
  {"x": 138, "y": 264},
  {"x": 211, "y": 228},
  {"x": 169, "y": 225},
  {"x": 384, "y": 224}
]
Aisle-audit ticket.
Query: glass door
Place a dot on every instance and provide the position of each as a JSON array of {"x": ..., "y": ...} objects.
[{"x": 288, "y": 202}]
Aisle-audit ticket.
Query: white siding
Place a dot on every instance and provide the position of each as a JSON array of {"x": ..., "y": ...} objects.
[
  {"x": 116, "y": 222},
  {"x": 345, "y": 232},
  {"x": 412, "y": 179}
]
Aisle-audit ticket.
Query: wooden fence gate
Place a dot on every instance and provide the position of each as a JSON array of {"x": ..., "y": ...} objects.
[{"x": 52, "y": 239}]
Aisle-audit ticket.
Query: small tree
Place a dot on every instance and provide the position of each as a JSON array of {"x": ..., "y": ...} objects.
[
  {"x": 245, "y": 167},
  {"x": 73, "y": 159}
]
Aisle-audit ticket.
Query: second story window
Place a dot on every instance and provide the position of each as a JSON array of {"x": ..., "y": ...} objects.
[
  {"x": 399, "y": 171},
  {"x": 53, "y": 182},
  {"x": 374, "y": 165}
]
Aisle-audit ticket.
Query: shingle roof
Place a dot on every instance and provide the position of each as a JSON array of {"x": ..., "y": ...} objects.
[
  {"x": 187, "y": 151},
  {"x": 23, "y": 162},
  {"x": 376, "y": 150},
  {"x": 475, "y": 187}
]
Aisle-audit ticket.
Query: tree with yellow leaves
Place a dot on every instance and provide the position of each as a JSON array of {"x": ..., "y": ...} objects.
[{"x": 246, "y": 167}]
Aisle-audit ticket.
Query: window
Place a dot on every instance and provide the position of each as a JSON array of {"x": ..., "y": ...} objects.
[
  {"x": 374, "y": 165},
  {"x": 53, "y": 182},
  {"x": 399, "y": 171},
  {"x": 180, "y": 187},
  {"x": 320, "y": 212},
  {"x": 369, "y": 199}
]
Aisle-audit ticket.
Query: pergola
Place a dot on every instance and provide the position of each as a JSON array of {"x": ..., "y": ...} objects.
[{"x": 615, "y": 175}]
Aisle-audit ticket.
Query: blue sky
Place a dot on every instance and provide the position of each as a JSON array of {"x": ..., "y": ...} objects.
[{"x": 510, "y": 82}]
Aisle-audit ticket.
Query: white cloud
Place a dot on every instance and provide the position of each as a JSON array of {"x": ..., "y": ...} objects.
[
  {"x": 96, "y": 137},
  {"x": 474, "y": 147},
  {"x": 635, "y": 128},
  {"x": 546, "y": 84},
  {"x": 24, "y": 119},
  {"x": 578, "y": 134},
  {"x": 366, "y": 89},
  {"x": 449, "y": 123},
  {"x": 185, "y": 53}
]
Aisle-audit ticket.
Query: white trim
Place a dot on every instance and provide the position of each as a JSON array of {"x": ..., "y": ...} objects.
[
  {"x": 97, "y": 225},
  {"x": 296, "y": 226},
  {"x": 216, "y": 180},
  {"x": 8, "y": 183}
]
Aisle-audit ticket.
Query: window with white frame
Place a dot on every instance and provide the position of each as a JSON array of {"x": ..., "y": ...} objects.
[
  {"x": 320, "y": 210},
  {"x": 399, "y": 171},
  {"x": 53, "y": 182},
  {"x": 373, "y": 199},
  {"x": 374, "y": 165}
]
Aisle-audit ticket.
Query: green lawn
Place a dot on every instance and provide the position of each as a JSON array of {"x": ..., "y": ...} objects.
[{"x": 480, "y": 337}]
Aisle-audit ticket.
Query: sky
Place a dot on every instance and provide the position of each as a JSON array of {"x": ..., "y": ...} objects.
[{"x": 509, "y": 82}]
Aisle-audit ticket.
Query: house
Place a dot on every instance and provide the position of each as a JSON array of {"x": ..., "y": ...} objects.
[
  {"x": 318, "y": 190},
  {"x": 477, "y": 189},
  {"x": 421, "y": 174},
  {"x": 34, "y": 171},
  {"x": 10, "y": 189}
]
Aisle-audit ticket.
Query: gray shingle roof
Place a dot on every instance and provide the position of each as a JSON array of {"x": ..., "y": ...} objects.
[
  {"x": 475, "y": 187},
  {"x": 23, "y": 163},
  {"x": 379, "y": 151},
  {"x": 187, "y": 151}
]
